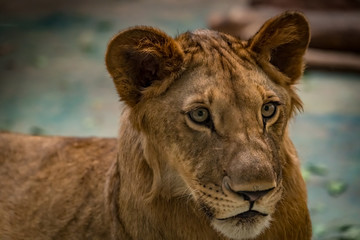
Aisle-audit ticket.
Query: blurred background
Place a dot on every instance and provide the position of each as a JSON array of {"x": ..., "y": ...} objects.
[{"x": 53, "y": 80}]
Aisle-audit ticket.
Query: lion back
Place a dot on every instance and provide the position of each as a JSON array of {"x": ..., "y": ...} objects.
[{"x": 52, "y": 186}]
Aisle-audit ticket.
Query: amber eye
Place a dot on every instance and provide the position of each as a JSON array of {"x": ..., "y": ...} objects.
[
  {"x": 268, "y": 110},
  {"x": 199, "y": 115}
]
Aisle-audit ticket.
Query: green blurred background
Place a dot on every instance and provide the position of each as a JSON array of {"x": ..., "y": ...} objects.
[{"x": 53, "y": 81}]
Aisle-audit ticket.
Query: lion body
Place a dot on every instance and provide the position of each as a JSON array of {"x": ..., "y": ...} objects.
[
  {"x": 203, "y": 150},
  {"x": 53, "y": 188}
]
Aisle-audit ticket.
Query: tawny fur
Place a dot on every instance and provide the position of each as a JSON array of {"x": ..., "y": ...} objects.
[{"x": 168, "y": 177}]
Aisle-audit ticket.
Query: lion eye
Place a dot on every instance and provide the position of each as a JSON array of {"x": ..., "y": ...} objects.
[
  {"x": 199, "y": 115},
  {"x": 268, "y": 110}
]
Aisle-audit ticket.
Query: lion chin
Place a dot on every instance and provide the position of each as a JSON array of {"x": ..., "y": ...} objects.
[{"x": 238, "y": 227}]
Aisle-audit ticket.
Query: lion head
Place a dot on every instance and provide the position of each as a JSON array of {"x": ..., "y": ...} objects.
[{"x": 212, "y": 112}]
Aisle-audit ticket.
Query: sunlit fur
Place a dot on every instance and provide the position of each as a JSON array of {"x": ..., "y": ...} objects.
[{"x": 168, "y": 177}]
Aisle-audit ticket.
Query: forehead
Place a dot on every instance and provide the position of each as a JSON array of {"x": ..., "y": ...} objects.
[{"x": 220, "y": 63}]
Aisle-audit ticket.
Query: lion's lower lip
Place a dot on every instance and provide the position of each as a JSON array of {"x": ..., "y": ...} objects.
[{"x": 245, "y": 215}]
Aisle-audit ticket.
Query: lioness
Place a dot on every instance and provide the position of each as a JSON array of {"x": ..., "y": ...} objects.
[{"x": 203, "y": 149}]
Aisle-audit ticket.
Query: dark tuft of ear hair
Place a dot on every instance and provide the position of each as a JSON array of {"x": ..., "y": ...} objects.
[
  {"x": 282, "y": 41},
  {"x": 140, "y": 58}
]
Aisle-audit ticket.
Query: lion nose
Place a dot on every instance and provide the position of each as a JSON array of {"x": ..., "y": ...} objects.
[
  {"x": 253, "y": 196},
  {"x": 250, "y": 192}
]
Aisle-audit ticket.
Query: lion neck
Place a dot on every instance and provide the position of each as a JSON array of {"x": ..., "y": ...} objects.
[{"x": 146, "y": 209}]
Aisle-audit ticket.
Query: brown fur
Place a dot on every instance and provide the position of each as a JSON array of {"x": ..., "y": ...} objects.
[{"x": 169, "y": 177}]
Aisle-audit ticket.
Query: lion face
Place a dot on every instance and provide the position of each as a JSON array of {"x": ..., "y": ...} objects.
[
  {"x": 213, "y": 111},
  {"x": 221, "y": 134}
]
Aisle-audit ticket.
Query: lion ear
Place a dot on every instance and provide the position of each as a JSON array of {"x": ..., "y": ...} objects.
[
  {"x": 139, "y": 58},
  {"x": 282, "y": 41}
]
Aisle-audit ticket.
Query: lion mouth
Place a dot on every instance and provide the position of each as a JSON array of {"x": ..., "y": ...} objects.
[{"x": 246, "y": 215}]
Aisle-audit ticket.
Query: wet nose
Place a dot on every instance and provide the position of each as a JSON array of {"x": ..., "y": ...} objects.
[
  {"x": 252, "y": 196},
  {"x": 250, "y": 191}
]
